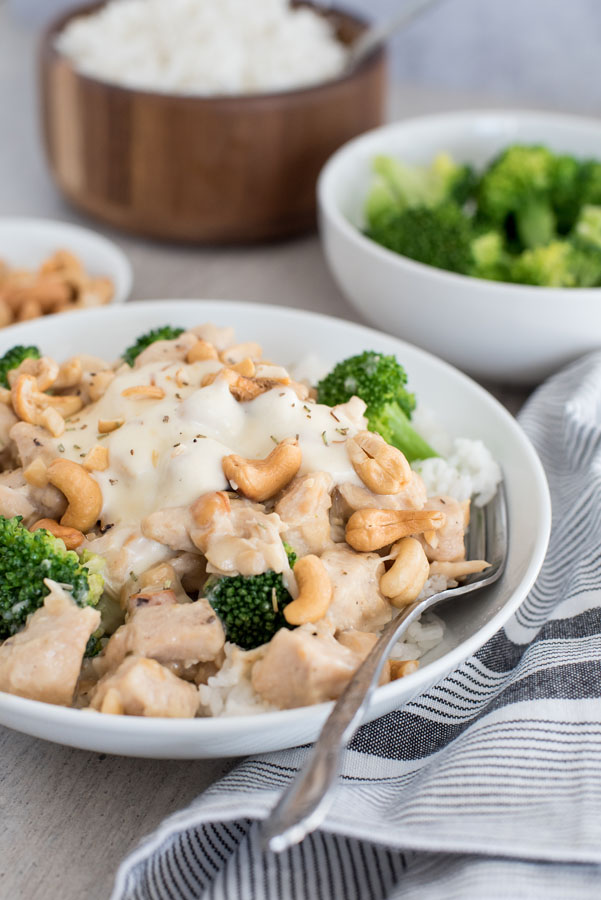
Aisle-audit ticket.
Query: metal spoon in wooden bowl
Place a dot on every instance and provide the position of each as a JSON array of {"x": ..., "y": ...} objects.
[
  {"x": 378, "y": 34},
  {"x": 305, "y": 802}
]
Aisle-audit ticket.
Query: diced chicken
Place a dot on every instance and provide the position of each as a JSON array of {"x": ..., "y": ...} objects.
[
  {"x": 304, "y": 666},
  {"x": 143, "y": 687},
  {"x": 356, "y": 601},
  {"x": 362, "y": 643},
  {"x": 18, "y": 498},
  {"x": 220, "y": 337},
  {"x": 7, "y": 420},
  {"x": 304, "y": 511},
  {"x": 239, "y": 537},
  {"x": 43, "y": 661},
  {"x": 33, "y": 442},
  {"x": 167, "y": 351},
  {"x": 170, "y": 526},
  {"x": 447, "y": 544},
  {"x": 191, "y": 569},
  {"x": 182, "y": 633},
  {"x": 125, "y": 551}
]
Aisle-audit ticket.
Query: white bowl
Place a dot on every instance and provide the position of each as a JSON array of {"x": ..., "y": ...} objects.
[
  {"x": 506, "y": 332},
  {"x": 463, "y": 408},
  {"x": 26, "y": 243}
]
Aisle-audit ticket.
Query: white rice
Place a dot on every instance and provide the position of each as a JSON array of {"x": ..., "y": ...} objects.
[
  {"x": 467, "y": 470},
  {"x": 204, "y": 47}
]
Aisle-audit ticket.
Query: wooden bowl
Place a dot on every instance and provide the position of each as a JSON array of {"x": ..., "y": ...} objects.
[{"x": 220, "y": 169}]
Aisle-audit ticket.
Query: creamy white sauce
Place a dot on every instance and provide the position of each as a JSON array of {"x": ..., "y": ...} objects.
[{"x": 170, "y": 451}]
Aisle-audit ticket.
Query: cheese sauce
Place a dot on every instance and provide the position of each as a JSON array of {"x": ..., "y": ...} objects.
[{"x": 169, "y": 451}]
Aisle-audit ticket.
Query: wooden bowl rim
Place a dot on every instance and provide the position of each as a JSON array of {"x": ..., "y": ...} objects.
[{"x": 49, "y": 52}]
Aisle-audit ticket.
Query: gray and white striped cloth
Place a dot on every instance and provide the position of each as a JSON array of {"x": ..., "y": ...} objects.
[{"x": 488, "y": 786}]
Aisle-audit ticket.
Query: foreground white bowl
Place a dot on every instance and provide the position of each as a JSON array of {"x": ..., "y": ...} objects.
[
  {"x": 463, "y": 408},
  {"x": 26, "y": 243},
  {"x": 510, "y": 333}
]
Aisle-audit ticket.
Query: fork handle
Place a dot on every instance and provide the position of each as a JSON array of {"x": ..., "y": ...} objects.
[{"x": 305, "y": 802}]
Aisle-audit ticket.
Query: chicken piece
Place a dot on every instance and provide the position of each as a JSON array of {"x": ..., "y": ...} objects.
[
  {"x": 304, "y": 666},
  {"x": 362, "y": 643},
  {"x": 191, "y": 569},
  {"x": 348, "y": 498},
  {"x": 167, "y": 351},
  {"x": 143, "y": 687},
  {"x": 303, "y": 509},
  {"x": 356, "y": 600},
  {"x": 238, "y": 537},
  {"x": 220, "y": 337},
  {"x": 18, "y": 498},
  {"x": 183, "y": 634},
  {"x": 43, "y": 661},
  {"x": 125, "y": 551},
  {"x": 170, "y": 526},
  {"x": 447, "y": 543},
  {"x": 7, "y": 420},
  {"x": 33, "y": 441}
]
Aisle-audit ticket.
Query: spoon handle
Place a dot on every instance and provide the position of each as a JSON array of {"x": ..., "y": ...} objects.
[
  {"x": 304, "y": 804},
  {"x": 378, "y": 34}
]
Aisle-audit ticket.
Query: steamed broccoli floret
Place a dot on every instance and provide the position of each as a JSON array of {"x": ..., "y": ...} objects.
[
  {"x": 166, "y": 333},
  {"x": 26, "y": 559},
  {"x": 515, "y": 192},
  {"x": 398, "y": 186},
  {"x": 13, "y": 358},
  {"x": 587, "y": 231},
  {"x": 380, "y": 381},
  {"x": 550, "y": 266},
  {"x": 438, "y": 236},
  {"x": 490, "y": 259}
]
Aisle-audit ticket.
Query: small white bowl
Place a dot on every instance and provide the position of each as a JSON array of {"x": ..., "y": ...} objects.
[
  {"x": 507, "y": 332},
  {"x": 26, "y": 243}
]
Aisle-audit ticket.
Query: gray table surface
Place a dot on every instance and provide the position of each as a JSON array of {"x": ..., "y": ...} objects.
[{"x": 70, "y": 816}]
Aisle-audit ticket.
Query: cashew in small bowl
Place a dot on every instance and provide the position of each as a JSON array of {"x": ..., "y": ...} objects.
[
  {"x": 404, "y": 581},
  {"x": 71, "y": 537},
  {"x": 82, "y": 492},
  {"x": 314, "y": 592},
  {"x": 260, "y": 479},
  {"x": 382, "y": 468},
  {"x": 372, "y": 529}
]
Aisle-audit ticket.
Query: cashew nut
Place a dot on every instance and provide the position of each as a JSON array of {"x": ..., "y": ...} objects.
[
  {"x": 315, "y": 592},
  {"x": 399, "y": 668},
  {"x": 372, "y": 529},
  {"x": 242, "y": 388},
  {"x": 105, "y": 426},
  {"x": 71, "y": 537},
  {"x": 201, "y": 351},
  {"x": 382, "y": 468},
  {"x": 82, "y": 492},
  {"x": 458, "y": 569},
  {"x": 144, "y": 392},
  {"x": 31, "y": 405},
  {"x": 96, "y": 459},
  {"x": 260, "y": 479},
  {"x": 403, "y": 582}
]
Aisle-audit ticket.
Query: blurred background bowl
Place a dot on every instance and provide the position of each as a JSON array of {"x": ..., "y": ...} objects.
[
  {"x": 202, "y": 169},
  {"x": 26, "y": 243},
  {"x": 511, "y": 333}
]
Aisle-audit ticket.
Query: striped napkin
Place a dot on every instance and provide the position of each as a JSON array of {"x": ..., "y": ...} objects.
[{"x": 488, "y": 786}]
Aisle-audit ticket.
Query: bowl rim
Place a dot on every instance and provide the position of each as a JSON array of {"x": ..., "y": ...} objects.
[
  {"x": 223, "y": 726},
  {"x": 329, "y": 208},
  {"x": 48, "y": 51},
  {"x": 123, "y": 267}
]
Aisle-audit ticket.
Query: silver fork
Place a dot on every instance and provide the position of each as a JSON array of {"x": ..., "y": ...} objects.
[{"x": 306, "y": 801}]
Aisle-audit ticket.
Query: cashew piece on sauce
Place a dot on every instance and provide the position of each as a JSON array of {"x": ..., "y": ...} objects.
[
  {"x": 315, "y": 592},
  {"x": 71, "y": 537},
  {"x": 260, "y": 479},
  {"x": 82, "y": 492}
]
